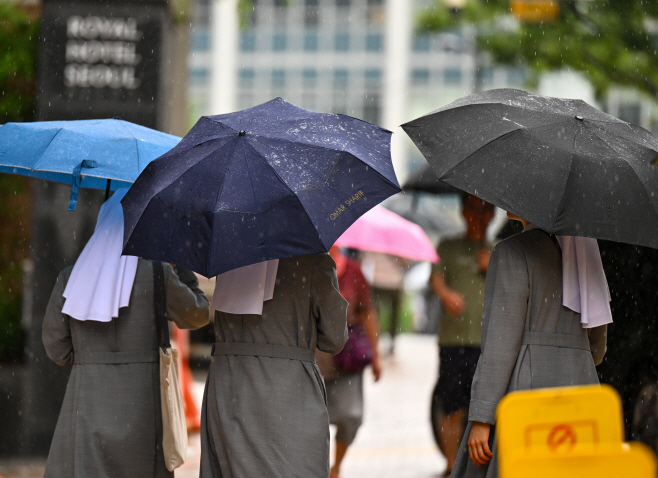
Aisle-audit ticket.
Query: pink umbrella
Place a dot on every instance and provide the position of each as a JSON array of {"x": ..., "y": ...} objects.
[{"x": 380, "y": 230}]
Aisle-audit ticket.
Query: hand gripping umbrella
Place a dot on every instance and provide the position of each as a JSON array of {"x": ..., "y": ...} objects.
[
  {"x": 264, "y": 183},
  {"x": 561, "y": 164},
  {"x": 99, "y": 154}
]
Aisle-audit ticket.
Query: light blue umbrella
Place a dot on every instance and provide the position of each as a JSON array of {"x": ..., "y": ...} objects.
[{"x": 99, "y": 154}]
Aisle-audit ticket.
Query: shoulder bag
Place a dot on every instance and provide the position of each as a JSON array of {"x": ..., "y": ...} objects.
[{"x": 174, "y": 428}]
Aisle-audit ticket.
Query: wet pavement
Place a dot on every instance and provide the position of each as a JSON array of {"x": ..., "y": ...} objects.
[{"x": 395, "y": 440}]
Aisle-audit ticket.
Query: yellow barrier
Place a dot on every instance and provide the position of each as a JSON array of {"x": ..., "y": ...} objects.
[{"x": 567, "y": 432}]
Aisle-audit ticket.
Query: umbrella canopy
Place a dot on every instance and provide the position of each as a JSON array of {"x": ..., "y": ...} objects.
[
  {"x": 381, "y": 230},
  {"x": 425, "y": 181},
  {"x": 84, "y": 154},
  {"x": 561, "y": 164},
  {"x": 264, "y": 183}
]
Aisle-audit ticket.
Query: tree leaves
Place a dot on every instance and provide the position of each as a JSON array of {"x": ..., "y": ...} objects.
[{"x": 613, "y": 42}]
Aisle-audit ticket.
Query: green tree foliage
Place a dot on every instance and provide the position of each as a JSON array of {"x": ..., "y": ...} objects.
[
  {"x": 613, "y": 42},
  {"x": 18, "y": 44}
]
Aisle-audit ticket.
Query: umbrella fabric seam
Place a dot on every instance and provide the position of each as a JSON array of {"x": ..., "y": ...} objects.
[
  {"x": 566, "y": 180},
  {"x": 324, "y": 181},
  {"x": 440, "y": 177},
  {"x": 490, "y": 103},
  {"x": 155, "y": 193},
  {"x": 630, "y": 165},
  {"x": 293, "y": 193},
  {"x": 136, "y": 146},
  {"x": 269, "y": 106},
  {"x": 344, "y": 148},
  {"x": 617, "y": 136},
  {"x": 185, "y": 171},
  {"x": 48, "y": 146}
]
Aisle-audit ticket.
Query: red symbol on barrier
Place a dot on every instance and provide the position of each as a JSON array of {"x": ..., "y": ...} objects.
[{"x": 561, "y": 439}]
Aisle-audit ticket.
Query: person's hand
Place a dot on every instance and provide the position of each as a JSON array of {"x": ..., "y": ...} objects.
[
  {"x": 453, "y": 302},
  {"x": 376, "y": 368},
  {"x": 478, "y": 443},
  {"x": 483, "y": 257}
]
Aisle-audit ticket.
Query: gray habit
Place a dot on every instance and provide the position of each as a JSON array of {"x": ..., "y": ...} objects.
[
  {"x": 265, "y": 416},
  {"x": 110, "y": 424},
  {"x": 529, "y": 339}
]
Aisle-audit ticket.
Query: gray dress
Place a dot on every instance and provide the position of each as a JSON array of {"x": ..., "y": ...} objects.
[
  {"x": 529, "y": 339},
  {"x": 264, "y": 415},
  {"x": 110, "y": 423}
]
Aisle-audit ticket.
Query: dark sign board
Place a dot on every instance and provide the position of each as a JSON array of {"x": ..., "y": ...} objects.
[{"x": 101, "y": 60}]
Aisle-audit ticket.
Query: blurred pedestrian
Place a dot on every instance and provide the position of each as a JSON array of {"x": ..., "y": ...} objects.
[
  {"x": 532, "y": 335},
  {"x": 458, "y": 281},
  {"x": 343, "y": 373},
  {"x": 264, "y": 409},
  {"x": 101, "y": 317},
  {"x": 385, "y": 273}
]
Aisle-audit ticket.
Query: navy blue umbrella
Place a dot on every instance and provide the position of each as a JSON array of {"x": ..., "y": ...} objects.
[{"x": 264, "y": 183}]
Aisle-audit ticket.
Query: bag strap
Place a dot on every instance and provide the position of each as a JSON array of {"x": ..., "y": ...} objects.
[{"x": 160, "y": 304}]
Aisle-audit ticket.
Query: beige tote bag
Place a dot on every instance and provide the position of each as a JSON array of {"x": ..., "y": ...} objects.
[{"x": 174, "y": 427}]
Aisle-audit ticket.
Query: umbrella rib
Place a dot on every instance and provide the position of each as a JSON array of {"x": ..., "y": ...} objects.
[
  {"x": 566, "y": 182},
  {"x": 46, "y": 148},
  {"x": 136, "y": 145},
  {"x": 183, "y": 172},
  {"x": 630, "y": 165},
  {"x": 338, "y": 151},
  {"x": 293, "y": 192},
  {"x": 440, "y": 178}
]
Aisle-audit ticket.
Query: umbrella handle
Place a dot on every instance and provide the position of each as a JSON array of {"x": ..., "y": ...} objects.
[{"x": 77, "y": 178}]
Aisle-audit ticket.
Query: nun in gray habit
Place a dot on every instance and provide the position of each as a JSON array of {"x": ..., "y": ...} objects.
[
  {"x": 101, "y": 318},
  {"x": 546, "y": 306},
  {"x": 264, "y": 409}
]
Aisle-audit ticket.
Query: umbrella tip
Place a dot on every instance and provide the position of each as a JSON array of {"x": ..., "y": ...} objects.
[{"x": 242, "y": 133}]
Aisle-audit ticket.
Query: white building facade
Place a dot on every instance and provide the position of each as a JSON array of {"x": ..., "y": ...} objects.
[{"x": 333, "y": 56}]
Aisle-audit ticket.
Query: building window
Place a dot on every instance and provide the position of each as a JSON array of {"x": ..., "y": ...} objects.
[
  {"x": 342, "y": 41},
  {"x": 515, "y": 76},
  {"x": 630, "y": 112},
  {"x": 200, "y": 40},
  {"x": 372, "y": 109},
  {"x": 199, "y": 76},
  {"x": 312, "y": 13},
  {"x": 420, "y": 76},
  {"x": 309, "y": 77},
  {"x": 373, "y": 78},
  {"x": 341, "y": 78},
  {"x": 374, "y": 41},
  {"x": 279, "y": 42},
  {"x": 278, "y": 78},
  {"x": 422, "y": 42},
  {"x": 248, "y": 41},
  {"x": 247, "y": 76},
  {"x": 452, "y": 76},
  {"x": 485, "y": 75},
  {"x": 310, "y": 41}
]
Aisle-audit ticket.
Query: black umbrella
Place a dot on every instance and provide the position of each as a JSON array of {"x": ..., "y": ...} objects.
[
  {"x": 561, "y": 164},
  {"x": 425, "y": 181}
]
